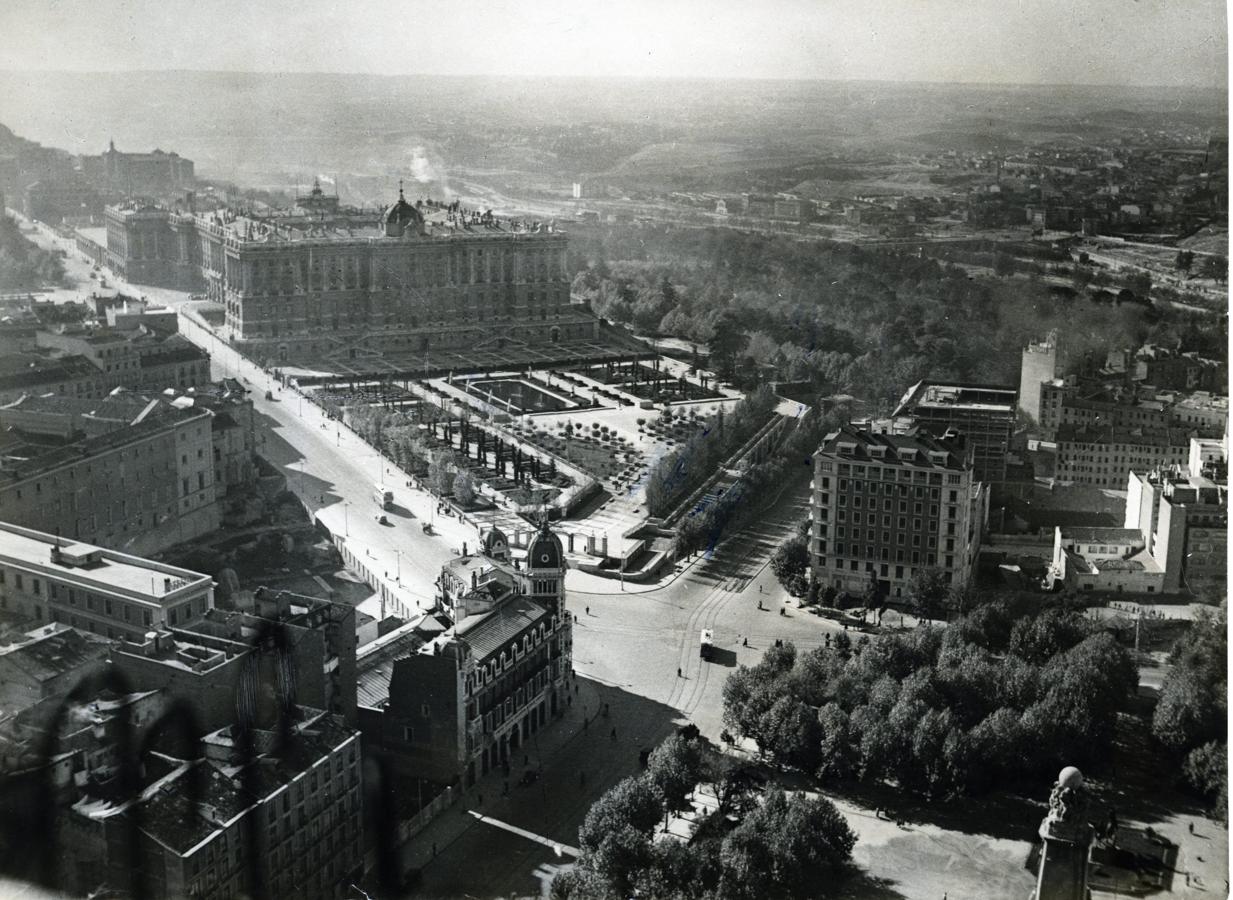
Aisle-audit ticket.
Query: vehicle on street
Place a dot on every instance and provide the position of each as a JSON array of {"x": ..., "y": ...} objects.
[
  {"x": 529, "y": 777},
  {"x": 707, "y": 644},
  {"x": 383, "y": 496},
  {"x": 382, "y": 520}
]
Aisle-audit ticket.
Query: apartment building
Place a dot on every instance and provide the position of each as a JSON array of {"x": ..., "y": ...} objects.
[{"x": 885, "y": 506}]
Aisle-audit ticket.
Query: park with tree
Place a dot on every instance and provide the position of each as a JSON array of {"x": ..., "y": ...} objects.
[
  {"x": 755, "y": 845},
  {"x": 863, "y": 321},
  {"x": 1000, "y": 697}
]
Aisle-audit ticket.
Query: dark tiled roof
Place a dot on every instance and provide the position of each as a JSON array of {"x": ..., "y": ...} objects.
[
  {"x": 502, "y": 625},
  {"x": 44, "y": 658},
  {"x": 38, "y": 372},
  {"x": 903, "y": 449},
  {"x": 1088, "y": 535}
]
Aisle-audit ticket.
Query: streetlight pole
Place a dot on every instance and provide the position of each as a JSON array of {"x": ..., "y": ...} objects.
[{"x": 346, "y": 522}]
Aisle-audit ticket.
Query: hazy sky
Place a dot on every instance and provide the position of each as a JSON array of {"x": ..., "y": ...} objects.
[{"x": 1169, "y": 42}]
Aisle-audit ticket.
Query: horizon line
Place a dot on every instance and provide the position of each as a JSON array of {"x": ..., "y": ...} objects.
[{"x": 611, "y": 77}]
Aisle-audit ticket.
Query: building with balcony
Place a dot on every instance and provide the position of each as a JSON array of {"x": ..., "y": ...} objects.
[
  {"x": 885, "y": 506},
  {"x": 495, "y": 672}
]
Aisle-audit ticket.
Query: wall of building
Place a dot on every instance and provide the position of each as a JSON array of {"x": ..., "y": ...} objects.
[{"x": 143, "y": 496}]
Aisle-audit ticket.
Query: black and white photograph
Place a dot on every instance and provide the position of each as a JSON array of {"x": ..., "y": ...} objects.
[{"x": 614, "y": 449}]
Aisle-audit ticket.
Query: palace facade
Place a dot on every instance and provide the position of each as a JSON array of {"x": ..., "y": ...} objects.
[{"x": 324, "y": 279}]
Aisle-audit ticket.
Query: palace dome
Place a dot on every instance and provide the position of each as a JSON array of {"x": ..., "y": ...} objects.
[{"x": 401, "y": 215}]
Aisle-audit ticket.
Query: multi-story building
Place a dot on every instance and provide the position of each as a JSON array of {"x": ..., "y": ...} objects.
[
  {"x": 1039, "y": 365},
  {"x": 777, "y": 206},
  {"x": 140, "y": 245},
  {"x": 1100, "y": 457},
  {"x": 90, "y": 362},
  {"x": 1180, "y": 371},
  {"x": 1193, "y": 500},
  {"x": 46, "y": 662},
  {"x": 52, "y": 579},
  {"x": 138, "y": 174},
  {"x": 983, "y": 414},
  {"x": 469, "y": 697},
  {"x": 288, "y": 818},
  {"x": 413, "y": 278},
  {"x": 140, "y": 481},
  {"x": 1111, "y": 559},
  {"x": 52, "y": 200},
  {"x": 68, "y": 376},
  {"x": 1079, "y": 403},
  {"x": 885, "y": 506},
  {"x": 1201, "y": 412}
]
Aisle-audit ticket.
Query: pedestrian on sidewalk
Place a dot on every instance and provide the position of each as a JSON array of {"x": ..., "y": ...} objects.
[
  {"x": 678, "y": 672},
  {"x": 614, "y": 734},
  {"x": 588, "y": 610}
]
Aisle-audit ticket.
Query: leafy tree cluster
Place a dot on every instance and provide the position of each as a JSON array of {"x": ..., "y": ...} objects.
[
  {"x": 790, "y": 561},
  {"x": 23, "y": 265},
  {"x": 673, "y": 476},
  {"x": 395, "y": 434},
  {"x": 994, "y": 698},
  {"x": 784, "y": 847},
  {"x": 849, "y": 319},
  {"x": 1191, "y": 716}
]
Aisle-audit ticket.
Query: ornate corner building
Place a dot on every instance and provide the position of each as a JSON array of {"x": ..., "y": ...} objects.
[
  {"x": 326, "y": 280},
  {"x": 497, "y": 670}
]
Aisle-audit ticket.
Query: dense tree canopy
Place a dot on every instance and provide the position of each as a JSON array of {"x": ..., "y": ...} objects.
[
  {"x": 784, "y": 846},
  {"x": 850, "y": 319},
  {"x": 23, "y": 265},
  {"x": 1191, "y": 717},
  {"x": 939, "y": 712}
]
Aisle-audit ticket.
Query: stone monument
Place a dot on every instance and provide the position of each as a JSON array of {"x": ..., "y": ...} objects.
[{"x": 1067, "y": 837}]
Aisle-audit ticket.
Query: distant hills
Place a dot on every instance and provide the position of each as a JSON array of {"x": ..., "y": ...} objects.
[{"x": 270, "y": 129}]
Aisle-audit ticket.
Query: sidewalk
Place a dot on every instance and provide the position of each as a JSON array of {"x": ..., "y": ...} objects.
[{"x": 553, "y": 741}]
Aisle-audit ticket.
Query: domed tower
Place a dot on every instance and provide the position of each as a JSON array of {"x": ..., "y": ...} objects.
[
  {"x": 496, "y": 545},
  {"x": 545, "y": 580},
  {"x": 402, "y": 218},
  {"x": 546, "y": 569}
]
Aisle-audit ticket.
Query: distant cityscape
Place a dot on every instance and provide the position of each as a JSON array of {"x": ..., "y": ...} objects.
[{"x": 609, "y": 539}]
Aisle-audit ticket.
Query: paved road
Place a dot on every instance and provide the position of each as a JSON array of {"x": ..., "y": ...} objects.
[
  {"x": 336, "y": 474},
  {"x": 330, "y": 468},
  {"x": 627, "y": 647}
]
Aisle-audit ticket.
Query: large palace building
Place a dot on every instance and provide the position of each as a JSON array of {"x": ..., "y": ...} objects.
[{"x": 321, "y": 278}]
